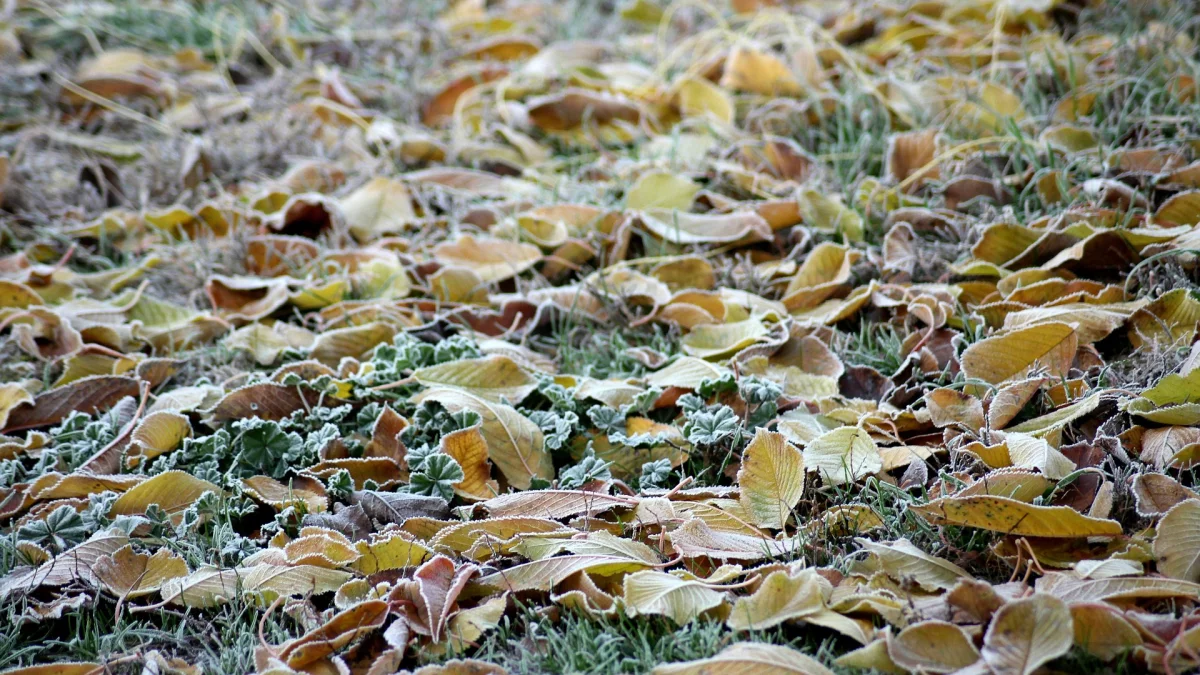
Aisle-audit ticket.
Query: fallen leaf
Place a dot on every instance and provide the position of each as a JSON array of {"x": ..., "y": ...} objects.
[
  {"x": 933, "y": 647},
  {"x": 749, "y": 658},
  {"x": 1027, "y": 633},
  {"x": 843, "y": 455},
  {"x": 514, "y": 443},
  {"x": 1014, "y": 354},
  {"x": 771, "y": 479},
  {"x": 493, "y": 378},
  {"x": 681, "y": 600},
  {"x": 1177, "y": 546},
  {"x": 781, "y": 597},
  {"x": 1001, "y": 514}
]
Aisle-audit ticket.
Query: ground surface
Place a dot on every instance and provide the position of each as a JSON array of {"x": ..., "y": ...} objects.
[{"x": 362, "y": 336}]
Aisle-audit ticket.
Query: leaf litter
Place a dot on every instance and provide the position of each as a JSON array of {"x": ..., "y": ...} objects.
[{"x": 792, "y": 337}]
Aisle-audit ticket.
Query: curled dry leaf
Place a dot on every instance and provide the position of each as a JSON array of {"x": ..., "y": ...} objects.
[
  {"x": 545, "y": 574},
  {"x": 906, "y": 563}
]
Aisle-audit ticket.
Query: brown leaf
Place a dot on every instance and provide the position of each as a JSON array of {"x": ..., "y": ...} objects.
[
  {"x": 569, "y": 108},
  {"x": 337, "y": 634},
  {"x": 1156, "y": 493},
  {"x": 89, "y": 395},
  {"x": 126, "y": 573},
  {"x": 431, "y": 595},
  {"x": 266, "y": 400}
]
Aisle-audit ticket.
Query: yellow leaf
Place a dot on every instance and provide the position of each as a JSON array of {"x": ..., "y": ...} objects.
[
  {"x": 515, "y": 444},
  {"x": 210, "y": 586},
  {"x": 949, "y": 407},
  {"x": 1170, "y": 401},
  {"x": 313, "y": 295},
  {"x": 482, "y": 539},
  {"x": 873, "y": 656},
  {"x": 843, "y": 455},
  {"x": 663, "y": 190},
  {"x": 749, "y": 658},
  {"x": 906, "y": 563},
  {"x": 780, "y": 598},
  {"x": 771, "y": 479},
  {"x": 468, "y": 625},
  {"x": 1177, "y": 545},
  {"x": 1092, "y": 322},
  {"x": 159, "y": 432},
  {"x": 1027, "y": 633},
  {"x": 1068, "y": 138},
  {"x": 715, "y": 341},
  {"x": 681, "y": 600},
  {"x": 492, "y": 378},
  {"x": 933, "y": 647},
  {"x": 11, "y": 396},
  {"x": 265, "y": 343},
  {"x": 389, "y": 552},
  {"x": 382, "y": 278},
  {"x": 599, "y": 542},
  {"x": 173, "y": 491},
  {"x": 1102, "y": 631},
  {"x": 1000, "y": 514},
  {"x": 686, "y": 372},
  {"x": 1181, "y": 209},
  {"x": 554, "y": 504},
  {"x": 825, "y": 211},
  {"x": 331, "y": 346},
  {"x": 697, "y": 97},
  {"x": 701, "y": 538},
  {"x": 299, "y": 490},
  {"x": 381, "y": 206},
  {"x": 547, "y": 573},
  {"x": 68, "y": 567},
  {"x": 335, "y": 635},
  {"x": 679, "y": 227},
  {"x": 1169, "y": 319},
  {"x": 458, "y": 284},
  {"x": 747, "y": 69},
  {"x": 1013, "y": 354},
  {"x": 1028, "y": 452},
  {"x": 1051, "y": 422}
]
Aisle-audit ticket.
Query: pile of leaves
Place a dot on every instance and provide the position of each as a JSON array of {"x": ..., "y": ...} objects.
[{"x": 788, "y": 337}]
